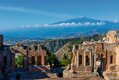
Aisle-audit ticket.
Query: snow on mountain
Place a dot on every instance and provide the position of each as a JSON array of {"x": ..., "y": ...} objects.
[{"x": 62, "y": 29}]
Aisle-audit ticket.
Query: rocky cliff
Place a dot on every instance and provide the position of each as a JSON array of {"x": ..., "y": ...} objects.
[
  {"x": 66, "y": 49},
  {"x": 54, "y": 45}
]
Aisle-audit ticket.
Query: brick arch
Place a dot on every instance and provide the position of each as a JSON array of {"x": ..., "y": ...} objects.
[
  {"x": 80, "y": 59},
  {"x": 88, "y": 57},
  {"x": 33, "y": 60},
  {"x": 87, "y": 53},
  {"x": 111, "y": 59},
  {"x": 87, "y": 60}
]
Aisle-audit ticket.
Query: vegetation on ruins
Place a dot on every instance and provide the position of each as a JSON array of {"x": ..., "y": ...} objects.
[
  {"x": 65, "y": 61},
  {"x": 19, "y": 61},
  {"x": 52, "y": 60},
  {"x": 78, "y": 41}
]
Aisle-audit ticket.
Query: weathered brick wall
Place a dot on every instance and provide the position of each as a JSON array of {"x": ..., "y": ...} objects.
[{"x": 111, "y": 37}]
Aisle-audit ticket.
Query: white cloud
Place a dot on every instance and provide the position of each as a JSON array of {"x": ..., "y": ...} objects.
[
  {"x": 23, "y": 26},
  {"x": 36, "y": 25},
  {"x": 116, "y": 21},
  {"x": 40, "y": 12},
  {"x": 73, "y": 24},
  {"x": 28, "y": 26}
]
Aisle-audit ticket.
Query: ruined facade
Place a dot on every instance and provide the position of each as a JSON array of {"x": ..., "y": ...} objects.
[
  {"x": 1, "y": 40},
  {"x": 98, "y": 57},
  {"x": 5, "y": 57},
  {"x": 34, "y": 54},
  {"x": 112, "y": 37}
]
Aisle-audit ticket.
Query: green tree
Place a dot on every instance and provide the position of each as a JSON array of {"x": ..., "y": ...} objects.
[
  {"x": 19, "y": 61},
  {"x": 65, "y": 61},
  {"x": 52, "y": 60}
]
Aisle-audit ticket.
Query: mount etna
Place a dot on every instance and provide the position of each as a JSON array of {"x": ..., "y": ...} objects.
[{"x": 71, "y": 28}]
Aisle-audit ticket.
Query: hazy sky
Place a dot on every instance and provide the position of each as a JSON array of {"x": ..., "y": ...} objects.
[{"x": 15, "y": 13}]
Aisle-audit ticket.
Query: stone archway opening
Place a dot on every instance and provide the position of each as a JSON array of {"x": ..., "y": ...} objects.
[
  {"x": 4, "y": 64},
  {"x": 102, "y": 66},
  {"x": 33, "y": 60},
  {"x": 80, "y": 59},
  {"x": 111, "y": 59},
  {"x": 39, "y": 60},
  {"x": 87, "y": 60},
  {"x": 5, "y": 61}
]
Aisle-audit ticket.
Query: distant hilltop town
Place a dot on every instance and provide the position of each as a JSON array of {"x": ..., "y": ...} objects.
[{"x": 90, "y": 59}]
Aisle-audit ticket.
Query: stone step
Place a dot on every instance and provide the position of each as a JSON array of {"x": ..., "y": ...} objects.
[
  {"x": 68, "y": 74},
  {"x": 53, "y": 75},
  {"x": 82, "y": 68},
  {"x": 82, "y": 78}
]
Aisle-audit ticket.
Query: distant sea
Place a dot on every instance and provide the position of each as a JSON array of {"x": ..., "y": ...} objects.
[{"x": 51, "y": 33}]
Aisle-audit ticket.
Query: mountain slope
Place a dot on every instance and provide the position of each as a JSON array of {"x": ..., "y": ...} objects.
[
  {"x": 81, "y": 19},
  {"x": 64, "y": 29}
]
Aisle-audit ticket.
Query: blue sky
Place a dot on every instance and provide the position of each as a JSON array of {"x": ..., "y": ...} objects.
[{"x": 16, "y": 13}]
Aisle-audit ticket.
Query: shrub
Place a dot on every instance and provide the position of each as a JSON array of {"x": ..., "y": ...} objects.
[
  {"x": 65, "y": 61},
  {"x": 19, "y": 61},
  {"x": 52, "y": 60}
]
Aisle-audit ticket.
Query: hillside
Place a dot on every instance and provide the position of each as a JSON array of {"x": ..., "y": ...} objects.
[
  {"x": 81, "y": 20},
  {"x": 67, "y": 48}
]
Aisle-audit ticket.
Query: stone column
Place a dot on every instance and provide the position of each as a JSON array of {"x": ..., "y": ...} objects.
[
  {"x": 36, "y": 59},
  {"x": 95, "y": 71},
  {"x": 90, "y": 59},
  {"x": 13, "y": 62},
  {"x": 27, "y": 60},
  {"x": 9, "y": 61},
  {"x": 0, "y": 60},
  {"x": 43, "y": 60},
  {"x": 25, "y": 63},
  {"x": 73, "y": 58},
  {"x": 108, "y": 62},
  {"x": 77, "y": 58},
  {"x": 84, "y": 58}
]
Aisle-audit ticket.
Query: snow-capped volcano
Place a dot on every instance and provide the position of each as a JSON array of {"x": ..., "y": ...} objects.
[
  {"x": 83, "y": 21},
  {"x": 63, "y": 29}
]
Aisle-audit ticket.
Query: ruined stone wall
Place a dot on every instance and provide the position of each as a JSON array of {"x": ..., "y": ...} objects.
[
  {"x": 36, "y": 53},
  {"x": 111, "y": 37},
  {"x": 107, "y": 52},
  {"x": 1, "y": 39},
  {"x": 117, "y": 54}
]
